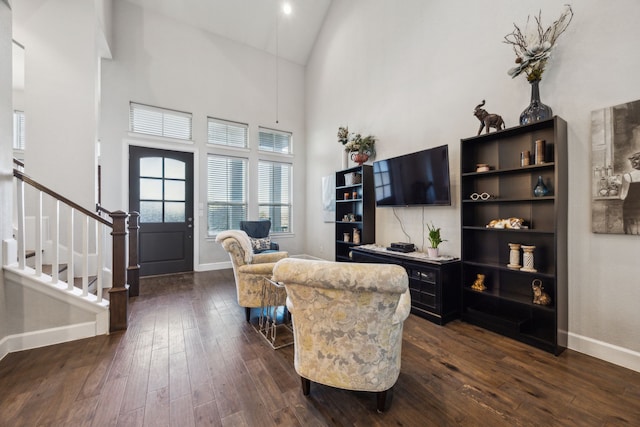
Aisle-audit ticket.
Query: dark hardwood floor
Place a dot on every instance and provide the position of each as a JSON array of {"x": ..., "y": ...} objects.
[{"x": 189, "y": 358}]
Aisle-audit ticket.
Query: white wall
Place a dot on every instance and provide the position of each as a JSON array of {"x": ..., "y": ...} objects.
[
  {"x": 6, "y": 138},
  {"x": 411, "y": 73},
  {"x": 60, "y": 94},
  {"x": 161, "y": 62}
]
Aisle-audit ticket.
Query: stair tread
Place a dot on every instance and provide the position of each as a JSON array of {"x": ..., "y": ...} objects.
[{"x": 48, "y": 268}]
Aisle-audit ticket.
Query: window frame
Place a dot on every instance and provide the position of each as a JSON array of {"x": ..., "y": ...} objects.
[
  {"x": 276, "y": 223},
  {"x": 19, "y": 142},
  {"x": 164, "y": 130},
  {"x": 228, "y": 124},
  {"x": 211, "y": 232},
  {"x": 275, "y": 132}
]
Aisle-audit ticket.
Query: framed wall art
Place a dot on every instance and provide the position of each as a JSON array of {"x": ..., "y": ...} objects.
[{"x": 615, "y": 164}]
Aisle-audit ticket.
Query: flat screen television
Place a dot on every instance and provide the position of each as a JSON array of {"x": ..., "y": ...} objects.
[{"x": 414, "y": 179}]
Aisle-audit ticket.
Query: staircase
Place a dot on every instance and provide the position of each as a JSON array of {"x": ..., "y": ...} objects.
[{"x": 66, "y": 272}]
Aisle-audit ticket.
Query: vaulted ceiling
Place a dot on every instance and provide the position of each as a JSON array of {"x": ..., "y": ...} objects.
[{"x": 254, "y": 23}]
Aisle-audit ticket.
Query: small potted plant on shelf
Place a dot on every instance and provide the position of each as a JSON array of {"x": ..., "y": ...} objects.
[
  {"x": 361, "y": 148},
  {"x": 434, "y": 239}
]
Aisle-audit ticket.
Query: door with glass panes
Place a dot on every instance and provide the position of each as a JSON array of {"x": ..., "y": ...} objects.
[{"x": 161, "y": 189}]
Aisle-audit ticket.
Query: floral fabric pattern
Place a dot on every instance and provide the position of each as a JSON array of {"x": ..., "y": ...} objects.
[
  {"x": 347, "y": 321},
  {"x": 250, "y": 276},
  {"x": 260, "y": 244}
]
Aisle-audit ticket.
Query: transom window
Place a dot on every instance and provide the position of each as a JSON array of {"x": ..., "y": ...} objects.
[
  {"x": 274, "y": 141},
  {"x": 157, "y": 121},
  {"x": 223, "y": 132},
  {"x": 226, "y": 193}
]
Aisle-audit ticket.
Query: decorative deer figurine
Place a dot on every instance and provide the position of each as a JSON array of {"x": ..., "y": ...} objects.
[{"x": 486, "y": 119}]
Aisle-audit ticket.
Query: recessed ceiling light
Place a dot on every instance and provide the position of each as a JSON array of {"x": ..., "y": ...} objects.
[{"x": 286, "y": 8}]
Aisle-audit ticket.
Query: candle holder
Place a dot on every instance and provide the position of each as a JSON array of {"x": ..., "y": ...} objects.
[
  {"x": 527, "y": 259},
  {"x": 514, "y": 256}
]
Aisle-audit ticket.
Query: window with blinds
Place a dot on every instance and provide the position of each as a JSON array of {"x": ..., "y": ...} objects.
[
  {"x": 274, "y": 141},
  {"x": 226, "y": 193},
  {"x": 18, "y": 130},
  {"x": 229, "y": 134},
  {"x": 274, "y": 194},
  {"x": 160, "y": 121}
]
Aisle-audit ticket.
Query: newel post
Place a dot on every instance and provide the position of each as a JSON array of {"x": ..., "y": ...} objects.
[
  {"x": 133, "y": 270},
  {"x": 119, "y": 293}
]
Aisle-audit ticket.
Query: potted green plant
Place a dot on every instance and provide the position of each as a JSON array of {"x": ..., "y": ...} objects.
[
  {"x": 361, "y": 148},
  {"x": 435, "y": 239}
]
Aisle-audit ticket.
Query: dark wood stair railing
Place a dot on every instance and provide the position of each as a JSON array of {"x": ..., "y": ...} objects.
[
  {"x": 119, "y": 293},
  {"x": 133, "y": 269}
]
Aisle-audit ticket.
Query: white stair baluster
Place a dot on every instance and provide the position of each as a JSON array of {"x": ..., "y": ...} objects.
[
  {"x": 70, "y": 266},
  {"x": 55, "y": 244},
  {"x": 100, "y": 259},
  {"x": 21, "y": 237},
  {"x": 85, "y": 256},
  {"x": 38, "y": 233}
]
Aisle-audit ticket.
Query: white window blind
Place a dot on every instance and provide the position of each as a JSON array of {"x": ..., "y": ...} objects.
[
  {"x": 18, "y": 130},
  {"x": 274, "y": 194},
  {"x": 274, "y": 141},
  {"x": 160, "y": 121},
  {"x": 230, "y": 134},
  {"x": 226, "y": 193}
]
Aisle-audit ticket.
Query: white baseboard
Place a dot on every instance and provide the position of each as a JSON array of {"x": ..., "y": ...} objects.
[
  {"x": 608, "y": 352},
  {"x": 35, "y": 339},
  {"x": 213, "y": 266},
  {"x": 306, "y": 256},
  {"x": 227, "y": 264}
]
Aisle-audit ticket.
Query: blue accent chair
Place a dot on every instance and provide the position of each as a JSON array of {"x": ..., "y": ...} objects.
[{"x": 259, "y": 230}]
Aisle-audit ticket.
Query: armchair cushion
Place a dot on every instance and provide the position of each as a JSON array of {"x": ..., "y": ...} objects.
[{"x": 260, "y": 244}]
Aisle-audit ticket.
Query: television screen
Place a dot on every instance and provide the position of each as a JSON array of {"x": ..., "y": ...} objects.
[{"x": 420, "y": 178}]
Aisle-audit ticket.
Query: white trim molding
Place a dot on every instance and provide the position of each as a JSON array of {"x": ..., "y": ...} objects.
[
  {"x": 608, "y": 352},
  {"x": 44, "y": 337}
]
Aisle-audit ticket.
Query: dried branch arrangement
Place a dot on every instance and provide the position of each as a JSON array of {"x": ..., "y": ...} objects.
[{"x": 533, "y": 45}]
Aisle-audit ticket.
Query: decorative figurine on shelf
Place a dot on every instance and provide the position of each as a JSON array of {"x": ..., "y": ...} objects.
[
  {"x": 356, "y": 236},
  {"x": 487, "y": 120},
  {"x": 539, "y": 295},
  {"x": 512, "y": 222},
  {"x": 478, "y": 284}
]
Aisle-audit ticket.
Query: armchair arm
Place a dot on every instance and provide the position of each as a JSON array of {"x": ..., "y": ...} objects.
[
  {"x": 403, "y": 309},
  {"x": 269, "y": 257},
  {"x": 264, "y": 269},
  {"x": 275, "y": 246}
]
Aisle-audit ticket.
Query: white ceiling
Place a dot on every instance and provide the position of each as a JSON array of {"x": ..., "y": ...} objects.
[{"x": 252, "y": 22}]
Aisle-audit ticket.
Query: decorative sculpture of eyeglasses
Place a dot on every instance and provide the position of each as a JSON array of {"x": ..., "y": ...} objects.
[{"x": 481, "y": 196}]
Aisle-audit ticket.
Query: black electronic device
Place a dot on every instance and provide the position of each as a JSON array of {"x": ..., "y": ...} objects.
[
  {"x": 420, "y": 178},
  {"x": 404, "y": 250},
  {"x": 404, "y": 245}
]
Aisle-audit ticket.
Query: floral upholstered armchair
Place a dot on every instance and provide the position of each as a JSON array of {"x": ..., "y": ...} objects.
[
  {"x": 347, "y": 323},
  {"x": 249, "y": 269}
]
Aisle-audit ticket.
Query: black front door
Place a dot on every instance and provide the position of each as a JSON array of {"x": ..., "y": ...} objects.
[{"x": 161, "y": 189}]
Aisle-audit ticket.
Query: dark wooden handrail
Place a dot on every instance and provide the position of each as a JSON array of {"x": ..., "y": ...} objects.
[
  {"x": 44, "y": 189},
  {"x": 18, "y": 162},
  {"x": 119, "y": 292},
  {"x": 99, "y": 209}
]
